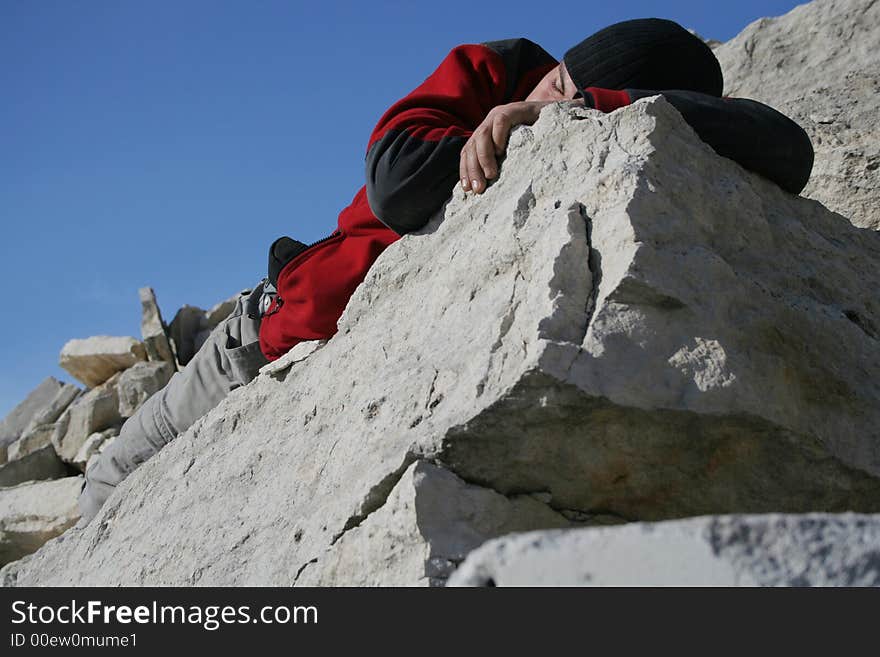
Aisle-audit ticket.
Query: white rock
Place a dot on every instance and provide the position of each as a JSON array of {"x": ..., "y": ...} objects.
[
  {"x": 763, "y": 550},
  {"x": 96, "y": 410},
  {"x": 21, "y": 417},
  {"x": 153, "y": 328},
  {"x": 430, "y": 521},
  {"x": 139, "y": 382},
  {"x": 624, "y": 324},
  {"x": 31, "y": 514},
  {"x": 299, "y": 353},
  {"x": 820, "y": 64},
  {"x": 36, "y": 465},
  {"x": 94, "y": 360},
  {"x": 36, "y": 438},
  {"x": 50, "y": 413}
]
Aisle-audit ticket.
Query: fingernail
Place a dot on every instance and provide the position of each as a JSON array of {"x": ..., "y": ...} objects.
[
  {"x": 464, "y": 183},
  {"x": 475, "y": 184}
]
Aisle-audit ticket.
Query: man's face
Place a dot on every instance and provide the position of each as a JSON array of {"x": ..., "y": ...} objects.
[{"x": 556, "y": 85}]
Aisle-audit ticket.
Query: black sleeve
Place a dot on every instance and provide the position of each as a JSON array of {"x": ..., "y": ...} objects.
[
  {"x": 413, "y": 154},
  {"x": 755, "y": 135}
]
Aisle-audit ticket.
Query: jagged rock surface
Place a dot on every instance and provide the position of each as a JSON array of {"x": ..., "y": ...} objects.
[
  {"x": 820, "y": 64},
  {"x": 39, "y": 407},
  {"x": 623, "y": 324},
  {"x": 429, "y": 523},
  {"x": 31, "y": 514},
  {"x": 156, "y": 342},
  {"x": 37, "y": 465},
  {"x": 96, "y": 410},
  {"x": 37, "y": 438},
  {"x": 764, "y": 550},
  {"x": 139, "y": 382},
  {"x": 94, "y": 360},
  {"x": 50, "y": 413}
]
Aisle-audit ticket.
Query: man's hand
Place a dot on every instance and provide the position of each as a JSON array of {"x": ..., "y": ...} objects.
[{"x": 478, "y": 161}]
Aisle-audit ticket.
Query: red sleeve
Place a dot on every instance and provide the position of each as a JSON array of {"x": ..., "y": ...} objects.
[{"x": 412, "y": 155}]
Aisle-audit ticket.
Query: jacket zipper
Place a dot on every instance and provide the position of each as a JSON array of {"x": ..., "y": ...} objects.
[
  {"x": 323, "y": 239},
  {"x": 277, "y": 302}
]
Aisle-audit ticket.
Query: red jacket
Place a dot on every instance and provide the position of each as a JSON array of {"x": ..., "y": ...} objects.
[{"x": 412, "y": 164}]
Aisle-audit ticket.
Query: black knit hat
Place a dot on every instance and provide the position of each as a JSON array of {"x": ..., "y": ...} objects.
[{"x": 648, "y": 53}]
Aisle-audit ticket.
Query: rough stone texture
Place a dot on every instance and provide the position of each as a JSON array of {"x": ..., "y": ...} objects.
[
  {"x": 94, "y": 360},
  {"x": 94, "y": 444},
  {"x": 820, "y": 64},
  {"x": 18, "y": 419},
  {"x": 96, "y": 410},
  {"x": 137, "y": 383},
  {"x": 31, "y": 514},
  {"x": 429, "y": 523},
  {"x": 37, "y": 465},
  {"x": 763, "y": 550},
  {"x": 43, "y": 424},
  {"x": 153, "y": 328},
  {"x": 298, "y": 353},
  {"x": 624, "y": 324},
  {"x": 50, "y": 413},
  {"x": 34, "y": 439}
]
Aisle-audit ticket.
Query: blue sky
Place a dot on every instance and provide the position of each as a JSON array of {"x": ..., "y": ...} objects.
[{"x": 167, "y": 143}]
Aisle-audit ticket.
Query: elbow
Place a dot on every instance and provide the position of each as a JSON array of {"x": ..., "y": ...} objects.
[
  {"x": 406, "y": 208},
  {"x": 389, "y": 203},
  {"x": 407, "y": 181}
]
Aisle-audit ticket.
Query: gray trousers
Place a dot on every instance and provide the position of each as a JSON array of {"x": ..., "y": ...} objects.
[{"x": 228, "y": 359}]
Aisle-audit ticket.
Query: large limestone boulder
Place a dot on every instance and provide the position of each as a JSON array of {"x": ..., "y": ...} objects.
[
  {"x": 94, "y": 360},
  {"x": 153, "y": 328},
  {"x": 50, "y": 413},
  {"x": 31, "y": 514},
  {"x": 430, "y": 521},
  {"x": 44, "y": 424},
  {"x": 820, "y": 64},
  {"x": 763, "y": 550},
  {"x": 95, "y": 411},
  {"x": 43, "y": 405},
  {"x": 624, "y": 325},
  {"x": 33, "y": 440},
  {"x": 138, "y": 383},
  {"x": 36, "y": 465}
]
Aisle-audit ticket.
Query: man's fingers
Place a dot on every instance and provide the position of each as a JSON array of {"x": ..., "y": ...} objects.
[
  {"x": 474, "y": 172},
  {"x": 485, "y": 148},
  {"x": 462, "y": 167},
  {"x": 500, "y": 134}
]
